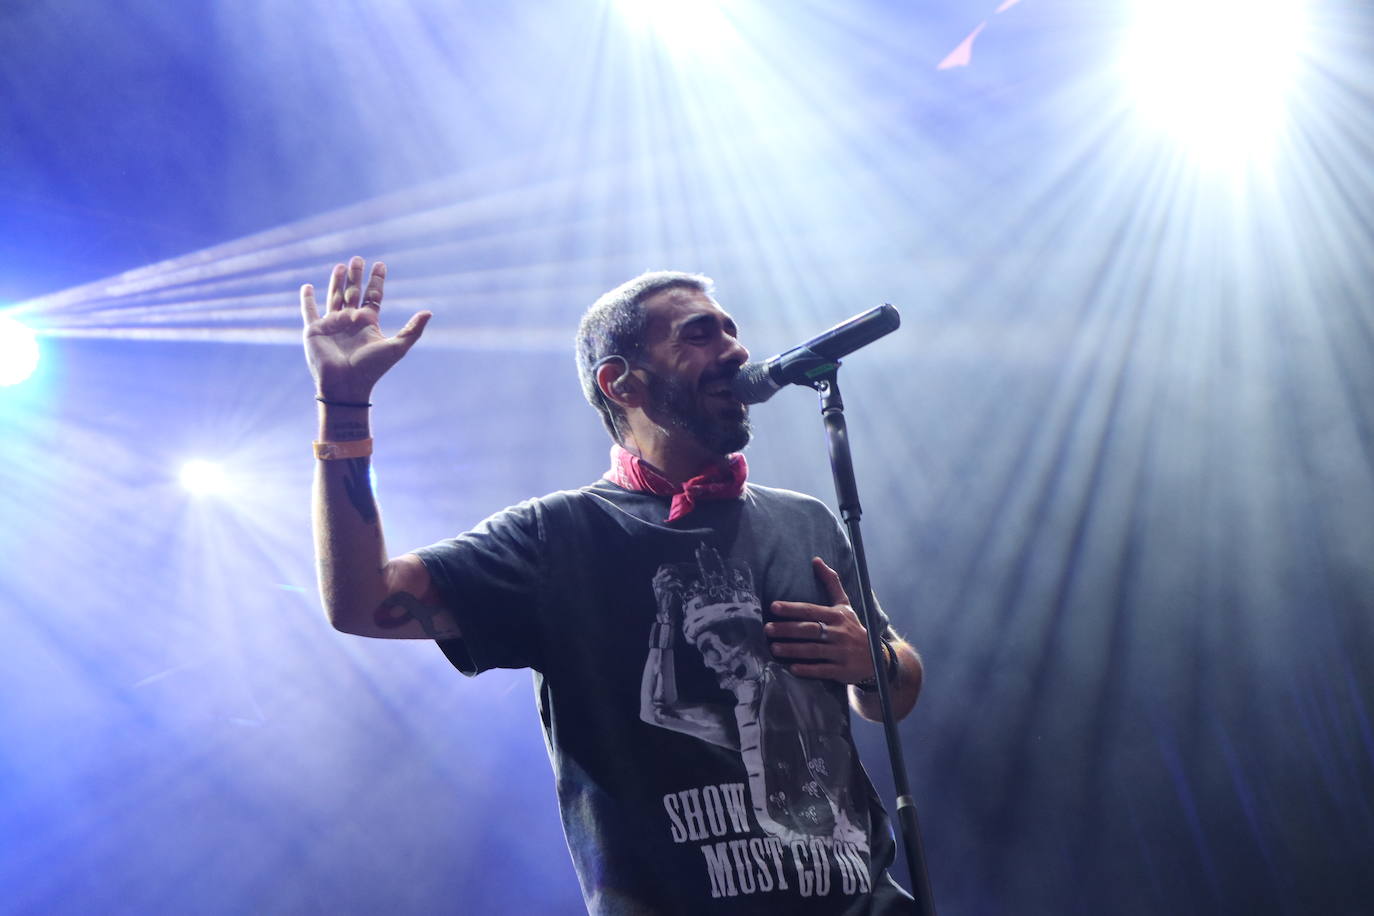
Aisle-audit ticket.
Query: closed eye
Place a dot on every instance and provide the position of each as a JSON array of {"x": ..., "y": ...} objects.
[{"x": 705, "y": 328}]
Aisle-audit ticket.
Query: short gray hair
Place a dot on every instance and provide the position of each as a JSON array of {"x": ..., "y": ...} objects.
[{"x": 614, "y": 327}]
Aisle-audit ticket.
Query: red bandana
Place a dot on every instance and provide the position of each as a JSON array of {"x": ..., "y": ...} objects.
[{"x": 721, "y": 480}]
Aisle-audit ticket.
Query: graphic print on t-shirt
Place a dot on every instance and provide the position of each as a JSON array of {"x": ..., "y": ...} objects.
[{"x": 789, "y": 731}]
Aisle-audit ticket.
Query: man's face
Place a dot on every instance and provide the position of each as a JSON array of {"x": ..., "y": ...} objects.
[{"x": 692, "y": 355}]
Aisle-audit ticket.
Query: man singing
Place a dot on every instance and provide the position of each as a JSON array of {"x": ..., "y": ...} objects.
[{"x": 690, "y": 633}]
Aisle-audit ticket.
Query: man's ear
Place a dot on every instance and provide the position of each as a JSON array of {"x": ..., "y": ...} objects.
[{"x": 619, "y": 384}]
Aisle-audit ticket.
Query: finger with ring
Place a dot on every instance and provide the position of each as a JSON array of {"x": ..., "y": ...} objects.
[{"x": 821, "y": 636}]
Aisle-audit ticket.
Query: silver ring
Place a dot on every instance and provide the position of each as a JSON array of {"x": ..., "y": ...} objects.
[{"x": 821, "y": 624}]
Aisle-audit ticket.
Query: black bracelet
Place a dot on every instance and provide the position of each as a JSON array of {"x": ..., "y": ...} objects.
[
  {"x": 340, "y": 403},
  {"x": 891, "y": 668}
]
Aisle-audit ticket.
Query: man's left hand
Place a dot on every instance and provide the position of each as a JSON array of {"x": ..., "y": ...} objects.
[{"x": 831, "y": 639}]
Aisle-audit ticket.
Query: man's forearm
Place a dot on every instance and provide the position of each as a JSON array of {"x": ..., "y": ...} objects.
[
  {"x": 363, "y": 591},
  {"x": 350, "y": 552},
  {"x": 903, "y": 689}
]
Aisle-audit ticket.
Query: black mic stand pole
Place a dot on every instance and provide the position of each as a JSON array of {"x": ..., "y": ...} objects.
[{"x": 826, "y": 383}]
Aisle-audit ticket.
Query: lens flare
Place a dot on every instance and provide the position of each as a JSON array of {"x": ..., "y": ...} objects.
[{"x": 18, "y": 352}]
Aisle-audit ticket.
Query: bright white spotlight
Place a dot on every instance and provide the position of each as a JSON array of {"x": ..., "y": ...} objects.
[
  {"x": 686, "y": 26},
  {"x": 203, "y": 478},
  {"x": 1215, "y": 74},
  {"x": 18, "y": 351}
]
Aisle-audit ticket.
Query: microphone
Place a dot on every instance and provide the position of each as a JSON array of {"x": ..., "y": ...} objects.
[{"x": 757, "y": 382}]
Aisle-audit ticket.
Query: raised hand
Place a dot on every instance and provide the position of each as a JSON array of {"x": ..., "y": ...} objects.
[
  {"x": 828, "y": 642},
  {"x": 345, "y": 347}
]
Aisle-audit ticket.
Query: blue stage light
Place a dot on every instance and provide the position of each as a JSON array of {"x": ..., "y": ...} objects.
[{"x": 18, "y": 351}]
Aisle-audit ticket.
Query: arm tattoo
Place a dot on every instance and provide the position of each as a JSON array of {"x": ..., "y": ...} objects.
[
  {"x": 347, "y": 430},
  {"x": 403, "y": 607},
  {"x": 358, "y": 485}
]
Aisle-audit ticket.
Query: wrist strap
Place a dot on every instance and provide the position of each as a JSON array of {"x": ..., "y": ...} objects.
[
  {"x": 330, "y": 403},
  {"x": 894, "y": 661},
  {"x": 329, "y": 451}
]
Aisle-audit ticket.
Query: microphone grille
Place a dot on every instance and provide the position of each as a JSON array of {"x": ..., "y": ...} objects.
[{"x": 753, "y": 384}]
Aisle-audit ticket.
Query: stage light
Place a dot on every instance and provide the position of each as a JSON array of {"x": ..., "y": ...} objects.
[
  {"x": 685, "y": 25},
  {"x": 1214, "y": 74},
  {"x": 203, "y": 478},
  {"x": 18, "y": 351}
]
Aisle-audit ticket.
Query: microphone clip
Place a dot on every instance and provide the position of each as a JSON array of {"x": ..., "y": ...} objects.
[{"x": 804, "y": 366}]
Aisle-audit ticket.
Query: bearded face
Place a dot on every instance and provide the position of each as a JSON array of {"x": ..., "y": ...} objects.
[{"x": 709, "y": 413}]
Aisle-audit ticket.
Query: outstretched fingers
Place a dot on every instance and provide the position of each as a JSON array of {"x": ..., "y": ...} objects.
[
  {"x": 346, "y": 286},
  {"x": 372, "y": 297},
  {"x": 353, "y": 284},
  {"x": 309, "y": 311},
  {"x": 334, "y": 299},
  {"x": 413, "y": 328}
]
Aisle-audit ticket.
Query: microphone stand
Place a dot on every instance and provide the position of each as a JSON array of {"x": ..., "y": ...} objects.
[{"x": 826, "y": 382}]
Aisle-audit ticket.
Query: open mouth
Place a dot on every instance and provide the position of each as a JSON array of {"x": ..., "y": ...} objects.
[
  {"x": 719, "y": 389},
  {"x": 725, "y": 401}
]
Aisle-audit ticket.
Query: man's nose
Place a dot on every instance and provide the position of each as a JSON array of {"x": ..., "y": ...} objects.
[{"x": 736, "y": 352}]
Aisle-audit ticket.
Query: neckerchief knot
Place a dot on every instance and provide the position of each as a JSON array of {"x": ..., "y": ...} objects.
[{"x": 723, "y": 479}]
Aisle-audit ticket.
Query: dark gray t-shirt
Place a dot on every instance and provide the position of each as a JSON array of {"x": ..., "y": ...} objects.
[{"x": 694, "y": 773}]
